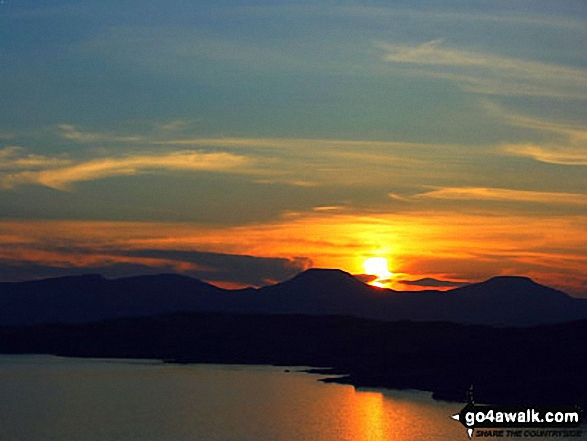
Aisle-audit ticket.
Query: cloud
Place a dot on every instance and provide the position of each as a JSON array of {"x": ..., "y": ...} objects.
[
  {"x": 61, "y": 177},
  {"x": 15, "y": 157},
  {"x": 365, "y": 278},
  {"x": 466, "y": 246},
  {"x": 174, "y": 125},
  {"x": 330, "y": 208},
  {"x": 294, "y": 143},
  {"x": 569, "y": 148},
  {"x": 524, "y": 121},
  {"x": 296, "y": 162},
  {"x": 308, "y": 162},
  {"x": 71, "y": 132},
  {"x": 9, "y": 152},
  {"x": 234, "y": 268},
  {"x": 565, "y": 130},
  {"x": 550, "y": 154},
  {"x": 503, "y": 194},
  {"x": 397, "y": 197},
  {"x": 231, "y": 269},
  {"x": 430, "y": 15},
  {"x": 430, "y": 282},
  {"x": 355, "y": 148},
  {"x": 488, "y": 73}
]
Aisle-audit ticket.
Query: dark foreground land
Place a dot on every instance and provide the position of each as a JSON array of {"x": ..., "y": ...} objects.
[{"x": 544, "y": 364}]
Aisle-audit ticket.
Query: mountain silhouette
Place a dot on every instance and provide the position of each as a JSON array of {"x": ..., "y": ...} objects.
[
  {"x": 500, "y": 301},
  {"x": 507, "y": 299}
]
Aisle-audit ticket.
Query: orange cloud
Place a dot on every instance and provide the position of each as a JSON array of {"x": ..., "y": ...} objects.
[
  {"x": 61, "y": 177},
  {"x": 15, "y": 157},
  {"x": 504, "y": 194},
  {"x": 570, "y": 148},
  {"x": 550, "y": 154},
  {"x": 434, "y": 244}
]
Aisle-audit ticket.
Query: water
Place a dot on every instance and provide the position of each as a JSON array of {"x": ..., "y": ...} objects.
[{"x": 52, "y": 398}]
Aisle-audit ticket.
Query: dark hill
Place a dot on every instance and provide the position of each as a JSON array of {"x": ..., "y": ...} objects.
[
  {"x": 516, "y": 301},
  {"x": 511, "y": 300},
  {"x": 320, "y": 291},
  {"x": 91, "y": 297}
]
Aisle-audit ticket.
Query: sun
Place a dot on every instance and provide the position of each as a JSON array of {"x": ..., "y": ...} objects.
[{"x": 377, "y": 266}]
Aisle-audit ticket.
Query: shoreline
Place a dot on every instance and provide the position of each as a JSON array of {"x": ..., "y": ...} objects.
[{"x": 543, "y": 364}]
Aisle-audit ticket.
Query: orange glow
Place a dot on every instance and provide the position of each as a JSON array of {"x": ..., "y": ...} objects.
[
  {"x": 470, "y": 247},
  {"x": 377, "y": 266},
  {"x": 370, "y": 420},
  {"x": 372, "y": 416},
  {"x": 228, "y": 285}
]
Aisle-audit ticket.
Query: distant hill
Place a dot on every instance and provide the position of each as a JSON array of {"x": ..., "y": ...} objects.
[{"x": 501, "y": 301}]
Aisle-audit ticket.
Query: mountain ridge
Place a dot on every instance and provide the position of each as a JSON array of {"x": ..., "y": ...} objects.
[{"x": 499, "y": 301}]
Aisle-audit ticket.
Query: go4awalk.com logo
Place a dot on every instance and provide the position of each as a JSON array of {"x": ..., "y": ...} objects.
[{"x": 520, "y": 421}]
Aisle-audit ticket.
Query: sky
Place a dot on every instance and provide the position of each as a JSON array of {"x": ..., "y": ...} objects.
[{"x": 241, "y": 142}]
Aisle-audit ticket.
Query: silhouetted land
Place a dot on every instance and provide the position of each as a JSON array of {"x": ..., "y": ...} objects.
[
  {"x": 322, "y": 318},
  {"x": 501, "y": 301},
  {"x": 543, "y": 364}
]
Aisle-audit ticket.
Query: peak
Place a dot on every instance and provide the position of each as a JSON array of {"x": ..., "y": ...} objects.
[
  {"x": 326, "y": 279},
  {"x": 511, "y": 285},
  {"x": 82, "y": 277},
  {"x": 323, "y": 274},
  {"x": 510, "y": 280},
  {"x": 162, "y": 276},
  {"x": 324, "y": 271}
]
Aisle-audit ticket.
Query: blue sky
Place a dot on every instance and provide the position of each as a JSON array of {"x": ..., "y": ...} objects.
[{"x": 244, "y": 115}]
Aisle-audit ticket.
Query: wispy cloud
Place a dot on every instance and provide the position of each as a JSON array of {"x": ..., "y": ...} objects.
[
  {"x": 372, "y": 15},
  {"x": 376, "y": 13},
  {"x": 294, "y": 143},
  {"x": 235, "y": 270},
  {"x": 177, "y": 124},
  {"x": 520, "y": 120},
  {"x": 488, "y": 73},
  {"x": 330, "y": 208},
  {"x": 552, "y": 154},
  {"x": 297, "y": 162},
  {"x": 168, "y": 138},
  {"x": 503, "y": 194},
  {"x": 311, "y": 162},
  {"x": 568, "y": 147},
  {"x": 15, "y": 157},
  {"x": 71, "y": 132},
  {"x": 61, "y": 177}
]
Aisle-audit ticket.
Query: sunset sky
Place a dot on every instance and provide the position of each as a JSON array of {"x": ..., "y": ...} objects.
[{"x": 241, "y": 142}]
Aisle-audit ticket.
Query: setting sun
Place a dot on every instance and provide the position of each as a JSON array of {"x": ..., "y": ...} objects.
[{"x": 377, "y": 266}]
